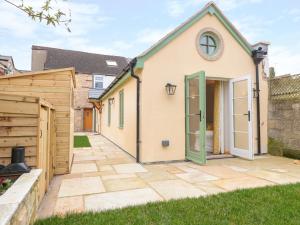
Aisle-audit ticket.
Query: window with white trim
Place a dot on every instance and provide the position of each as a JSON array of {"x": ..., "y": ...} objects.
[{"x": 98, "y": 81}]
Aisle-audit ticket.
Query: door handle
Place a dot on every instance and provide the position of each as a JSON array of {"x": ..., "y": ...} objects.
[
  {"x": 200, "y": 115},
  {"x": 249, "y": 115}
]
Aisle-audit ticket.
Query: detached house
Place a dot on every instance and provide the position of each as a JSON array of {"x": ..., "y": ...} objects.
[
  {"x": 94, "y": 73},
  {"x": 200, "y": 92}
]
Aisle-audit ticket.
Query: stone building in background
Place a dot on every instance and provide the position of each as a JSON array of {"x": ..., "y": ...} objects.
[{"x": 94, "y": 72}]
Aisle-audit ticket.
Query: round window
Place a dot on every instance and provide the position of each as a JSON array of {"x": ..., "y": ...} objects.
[{"x": 209, "y": 44}]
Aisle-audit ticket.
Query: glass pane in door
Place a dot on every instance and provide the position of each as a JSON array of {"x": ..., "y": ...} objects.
[
  {"x": 240, "y": 115},
  {"x": 195, "y": 120},
  {"x": 194, "y": 124},
  {"x": 193, "y": 87},
  {"x": 194, "y": 142}
]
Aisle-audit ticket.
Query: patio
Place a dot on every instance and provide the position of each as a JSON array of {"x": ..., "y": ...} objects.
[{"x": 104, "y": 177}]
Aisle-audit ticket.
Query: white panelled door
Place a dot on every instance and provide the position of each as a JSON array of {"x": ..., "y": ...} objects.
[{"x": 241, "y": 117}]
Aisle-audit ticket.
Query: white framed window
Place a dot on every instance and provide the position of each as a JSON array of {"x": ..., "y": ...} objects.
[
  {"x": 102, "y": 81},
  {"x": 98, "y": 81},
  {"x": 111, "y": 63}
]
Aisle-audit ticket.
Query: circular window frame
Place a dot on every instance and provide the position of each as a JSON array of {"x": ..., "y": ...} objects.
[{"x": 219, "y": 42}]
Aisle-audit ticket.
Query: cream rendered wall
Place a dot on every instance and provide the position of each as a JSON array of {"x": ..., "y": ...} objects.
[
  {"x": 125, "y": 137},
  {"x": 163, "y": 116}
]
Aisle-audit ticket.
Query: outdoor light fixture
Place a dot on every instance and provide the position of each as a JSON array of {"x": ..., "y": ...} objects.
[
  {"x": 111, "y": 101},
  {"x": 170, "y": 89}
]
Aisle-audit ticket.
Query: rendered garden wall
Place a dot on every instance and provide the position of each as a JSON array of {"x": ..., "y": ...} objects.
[{"x": 284, "y": 116}]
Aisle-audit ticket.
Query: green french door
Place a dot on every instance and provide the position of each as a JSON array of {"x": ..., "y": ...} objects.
[{"x": 195, "y": 109}]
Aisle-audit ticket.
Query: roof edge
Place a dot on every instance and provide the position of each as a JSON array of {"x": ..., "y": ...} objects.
[{"x": 210, "y": 8}]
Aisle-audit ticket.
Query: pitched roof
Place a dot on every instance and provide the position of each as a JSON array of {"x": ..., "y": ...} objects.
[
  {"x": 210, "y": 8},
  {"x": 7, "y": 58},
  {"x": 83, "y": 62}
]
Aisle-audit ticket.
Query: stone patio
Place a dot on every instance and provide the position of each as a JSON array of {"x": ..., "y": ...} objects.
[{"x": 104, "y": 177}]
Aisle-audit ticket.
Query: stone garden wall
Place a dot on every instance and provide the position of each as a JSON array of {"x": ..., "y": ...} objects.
[
  {"x": 19, "y": 204},
  {"x": 284, "y": 116}
]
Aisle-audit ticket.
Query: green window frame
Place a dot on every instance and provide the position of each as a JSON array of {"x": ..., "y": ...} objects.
[
  {"x": 121, "y": 109},
  {"x": 109, "y": 113}
]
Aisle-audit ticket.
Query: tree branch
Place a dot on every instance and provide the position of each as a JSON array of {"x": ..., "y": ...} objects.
[{"x": 46, "y": 13}]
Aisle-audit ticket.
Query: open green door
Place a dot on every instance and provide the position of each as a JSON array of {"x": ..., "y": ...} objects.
[{"x": 195, "y": 109}]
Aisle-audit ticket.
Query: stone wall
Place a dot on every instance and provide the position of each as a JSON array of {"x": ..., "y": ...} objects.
[
  {"x": 284, "y": 127},
  {"x": 19, "y": 204},
  {"x": 84, "y": 83}
]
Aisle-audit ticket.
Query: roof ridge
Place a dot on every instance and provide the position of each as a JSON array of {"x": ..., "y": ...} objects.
[{"x": 38, "y": 47}]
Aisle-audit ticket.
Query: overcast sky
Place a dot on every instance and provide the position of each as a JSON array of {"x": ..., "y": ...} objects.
[{"x": 129, "y": 27}]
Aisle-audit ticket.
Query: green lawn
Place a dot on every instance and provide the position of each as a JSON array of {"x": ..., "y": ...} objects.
[
  {"x": 279, "y": 205},
  {"x": 81, "y": 142}
]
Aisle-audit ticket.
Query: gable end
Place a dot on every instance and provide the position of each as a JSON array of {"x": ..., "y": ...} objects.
[{"x": 212, "y": 9}]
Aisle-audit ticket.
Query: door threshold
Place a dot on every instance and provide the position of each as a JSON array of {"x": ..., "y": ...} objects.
[{"x": 220, "y": 156}]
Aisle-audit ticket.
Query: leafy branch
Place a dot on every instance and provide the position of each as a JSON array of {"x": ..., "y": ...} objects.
[{"x": 46, "y": 13}]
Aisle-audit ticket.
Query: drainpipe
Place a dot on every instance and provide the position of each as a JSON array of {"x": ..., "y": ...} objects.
[
  {"x": 258, "y": 56},
  {"x": 138, "y": 84}
]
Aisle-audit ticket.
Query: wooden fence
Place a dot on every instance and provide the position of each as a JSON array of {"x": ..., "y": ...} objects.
[
  {"x": 29, "y": 122},
  {"x": 56, "y": 87}
]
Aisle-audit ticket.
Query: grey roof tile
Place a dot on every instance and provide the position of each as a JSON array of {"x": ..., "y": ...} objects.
[{"x": 87, "y": 63}]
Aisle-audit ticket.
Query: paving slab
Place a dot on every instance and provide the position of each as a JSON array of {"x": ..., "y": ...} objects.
[
  {"x": 195, "y": 177},
  {"x": 176, "y": 189},
  {"x": 170, "y": 168},
  {"x": 113, "y": 200},
  {"x": 81, "y": 186},
  {"x": 242, "y": 183},
  {"x": 123, "y": 184},
  {"x": 113, "y": 161},
  {"x": 221, "y": 171},
  {"x": 84, "y": 168},
  {"x": 278, "y": 178},
  {"x": 106, "y": 168},
  {"x": 129, "y": 168},
  {"x": 239, "y": 169},
  {"x": 209, "y": 187},
  {"x": 118, "y": 176},
  {"x": 91, "y": 157},
  {"x": 69, "y": 205},
  {"x": 156, "y": 176}
]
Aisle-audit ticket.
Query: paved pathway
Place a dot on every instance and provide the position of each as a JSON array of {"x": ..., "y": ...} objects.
[{"x": 104, "y": 177}]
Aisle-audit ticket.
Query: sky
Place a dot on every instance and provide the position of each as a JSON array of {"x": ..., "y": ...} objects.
[{"x": 127, "y": 28}]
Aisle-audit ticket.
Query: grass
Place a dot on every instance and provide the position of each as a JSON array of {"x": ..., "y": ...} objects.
[
  {"x": 81, "y": 142},
  {"x": 277, "y": 205}
]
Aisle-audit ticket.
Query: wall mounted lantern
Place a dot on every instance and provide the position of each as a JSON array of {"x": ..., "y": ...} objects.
[
  {"x": 111, "y": 101},
  {"x": 170, "y": 89}
]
